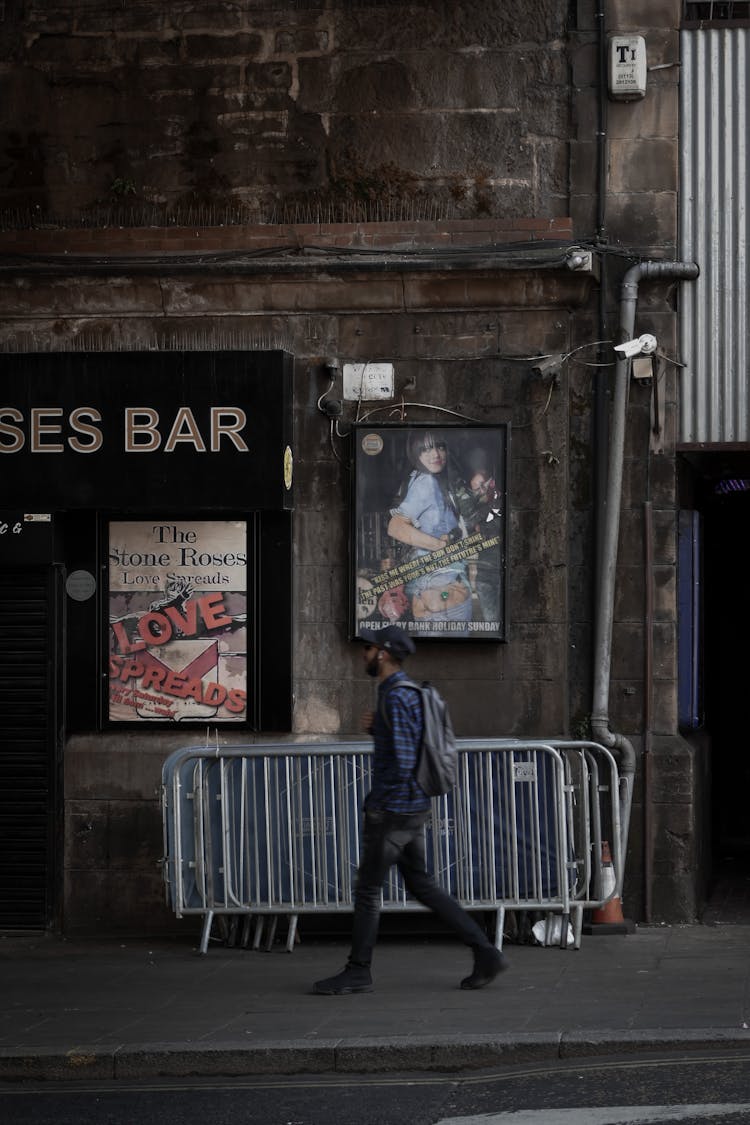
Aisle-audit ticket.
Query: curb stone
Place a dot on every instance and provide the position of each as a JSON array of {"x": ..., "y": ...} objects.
[
  {"x": 579, "y": 1044},
  {"x": 361, "y": 1055}
]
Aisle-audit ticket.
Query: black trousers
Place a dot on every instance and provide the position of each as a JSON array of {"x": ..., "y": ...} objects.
[{"x": 389, "y": 838}]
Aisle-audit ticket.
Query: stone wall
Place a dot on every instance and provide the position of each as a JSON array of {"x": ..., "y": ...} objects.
[
  {"x": 247, "y": 107},
  {"x": 641, "y": 136},
  {"x": 148, "y": 125},
  {"x": 459, "y": 341}
]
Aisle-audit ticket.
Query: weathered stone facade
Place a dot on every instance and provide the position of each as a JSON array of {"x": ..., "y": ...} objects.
[
  {"x": 254, "y": 106},
  {"x": 250, "y": 157}
]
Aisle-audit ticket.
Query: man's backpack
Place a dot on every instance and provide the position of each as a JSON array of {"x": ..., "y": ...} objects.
[{"x": 437, "y": 764}]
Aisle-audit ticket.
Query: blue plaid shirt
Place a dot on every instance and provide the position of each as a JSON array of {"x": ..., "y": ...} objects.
[{"x": 397, "y": 733}]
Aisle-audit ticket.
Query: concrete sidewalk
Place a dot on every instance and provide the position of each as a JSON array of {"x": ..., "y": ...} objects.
[{"x": 90, "y": 1009}]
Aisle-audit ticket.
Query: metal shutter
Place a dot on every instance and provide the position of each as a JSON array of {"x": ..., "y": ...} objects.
[{"x": 27, "y": 742}]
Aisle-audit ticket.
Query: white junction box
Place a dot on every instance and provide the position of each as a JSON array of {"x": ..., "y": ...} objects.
[
  {"x": 627, "y": 67},
  {"x": 367, "y": 381}
]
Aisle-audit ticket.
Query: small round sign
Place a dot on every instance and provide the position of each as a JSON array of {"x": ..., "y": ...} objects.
[
  {"x": 80, "y": 585},
  {"x": 372, "y": 444}
]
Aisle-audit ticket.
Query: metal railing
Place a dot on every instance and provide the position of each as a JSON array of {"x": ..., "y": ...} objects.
[{"x": 266, "y": 830}]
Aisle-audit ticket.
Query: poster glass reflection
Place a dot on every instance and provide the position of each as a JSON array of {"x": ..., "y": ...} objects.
[
  {"x": 430, "y": 523},
  {"x": 178, "y": 621}
]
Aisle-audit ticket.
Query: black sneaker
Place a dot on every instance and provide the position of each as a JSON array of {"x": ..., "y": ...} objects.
[
  {"x": 488, "y": 962},
  {"x": 354, "y": 978}
]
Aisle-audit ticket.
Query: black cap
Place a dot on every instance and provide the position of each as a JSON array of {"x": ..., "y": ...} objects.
[{"x": 393, "y": 639}]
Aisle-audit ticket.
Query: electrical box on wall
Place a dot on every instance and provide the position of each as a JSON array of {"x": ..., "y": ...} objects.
[
  {"x": 366, "y": 381},
  {"x": 627, "y": 67}
]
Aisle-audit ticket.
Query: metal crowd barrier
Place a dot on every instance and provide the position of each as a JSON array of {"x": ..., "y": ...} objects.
[{"x": 268, "y": 830}]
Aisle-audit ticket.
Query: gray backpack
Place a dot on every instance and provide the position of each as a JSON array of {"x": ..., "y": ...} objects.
[{"x": 437, "y": 764}]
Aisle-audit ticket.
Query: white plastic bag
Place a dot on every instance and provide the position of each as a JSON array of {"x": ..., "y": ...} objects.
[{"x": 548, "y": 933}]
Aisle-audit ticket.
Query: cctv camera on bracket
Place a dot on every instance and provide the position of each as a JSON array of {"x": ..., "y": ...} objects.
[
  {"x": 548, "y": 365},
  {"x": 644, "y": 345}
]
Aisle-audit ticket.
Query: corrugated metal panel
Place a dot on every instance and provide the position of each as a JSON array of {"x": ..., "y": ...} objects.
[{"x": 714, "y": 190}]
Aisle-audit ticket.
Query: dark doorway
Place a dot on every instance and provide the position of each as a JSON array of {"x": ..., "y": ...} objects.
[
  {"x": 29, "y": 724},
  {"x": 727, "y": 666},
  {"x": 723, "y": 497}
]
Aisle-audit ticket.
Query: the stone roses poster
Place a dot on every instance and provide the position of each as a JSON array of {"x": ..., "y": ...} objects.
[
  {"x": 178, "y": 621},
  {"x": 430, "y": 529}
]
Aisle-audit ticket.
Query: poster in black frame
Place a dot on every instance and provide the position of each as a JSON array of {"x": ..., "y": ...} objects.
[
  {"x": 268, "y": 633},
  {"x": 429, "y": 534},
  {"x": 178, "y": 616}
]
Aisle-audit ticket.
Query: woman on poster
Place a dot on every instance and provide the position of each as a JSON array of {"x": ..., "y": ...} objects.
[{"x": 426, "y": 518}]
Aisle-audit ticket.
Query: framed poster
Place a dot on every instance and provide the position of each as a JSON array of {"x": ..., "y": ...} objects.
[
  {"x": 430, "y": 529},
  {"x": 178, "y": 621}
]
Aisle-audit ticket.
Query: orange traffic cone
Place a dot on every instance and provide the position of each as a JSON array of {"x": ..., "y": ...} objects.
[{"x": 608, "y": 918}]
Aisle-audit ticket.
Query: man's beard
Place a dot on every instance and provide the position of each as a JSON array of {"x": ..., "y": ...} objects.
[{"x": 372, "y": 666}]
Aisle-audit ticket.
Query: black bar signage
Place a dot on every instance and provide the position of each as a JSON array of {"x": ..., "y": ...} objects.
[{"x": 146, "y": 430}]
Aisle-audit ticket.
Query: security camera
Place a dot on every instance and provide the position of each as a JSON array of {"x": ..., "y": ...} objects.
[
  {"x": 547, "y": 365},
  {"x": 644, "y": 345}
]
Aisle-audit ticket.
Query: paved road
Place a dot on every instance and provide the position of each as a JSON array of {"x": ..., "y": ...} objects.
[{"x": 711, "y": 1087}]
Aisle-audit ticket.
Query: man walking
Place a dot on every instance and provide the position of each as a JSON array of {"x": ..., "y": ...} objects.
[{"x": 395, "y": 813}]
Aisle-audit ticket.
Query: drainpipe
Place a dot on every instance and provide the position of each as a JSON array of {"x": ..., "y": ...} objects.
[
  {"x": 602, "y": 386},
  {"x": 605, "y": 594}
]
